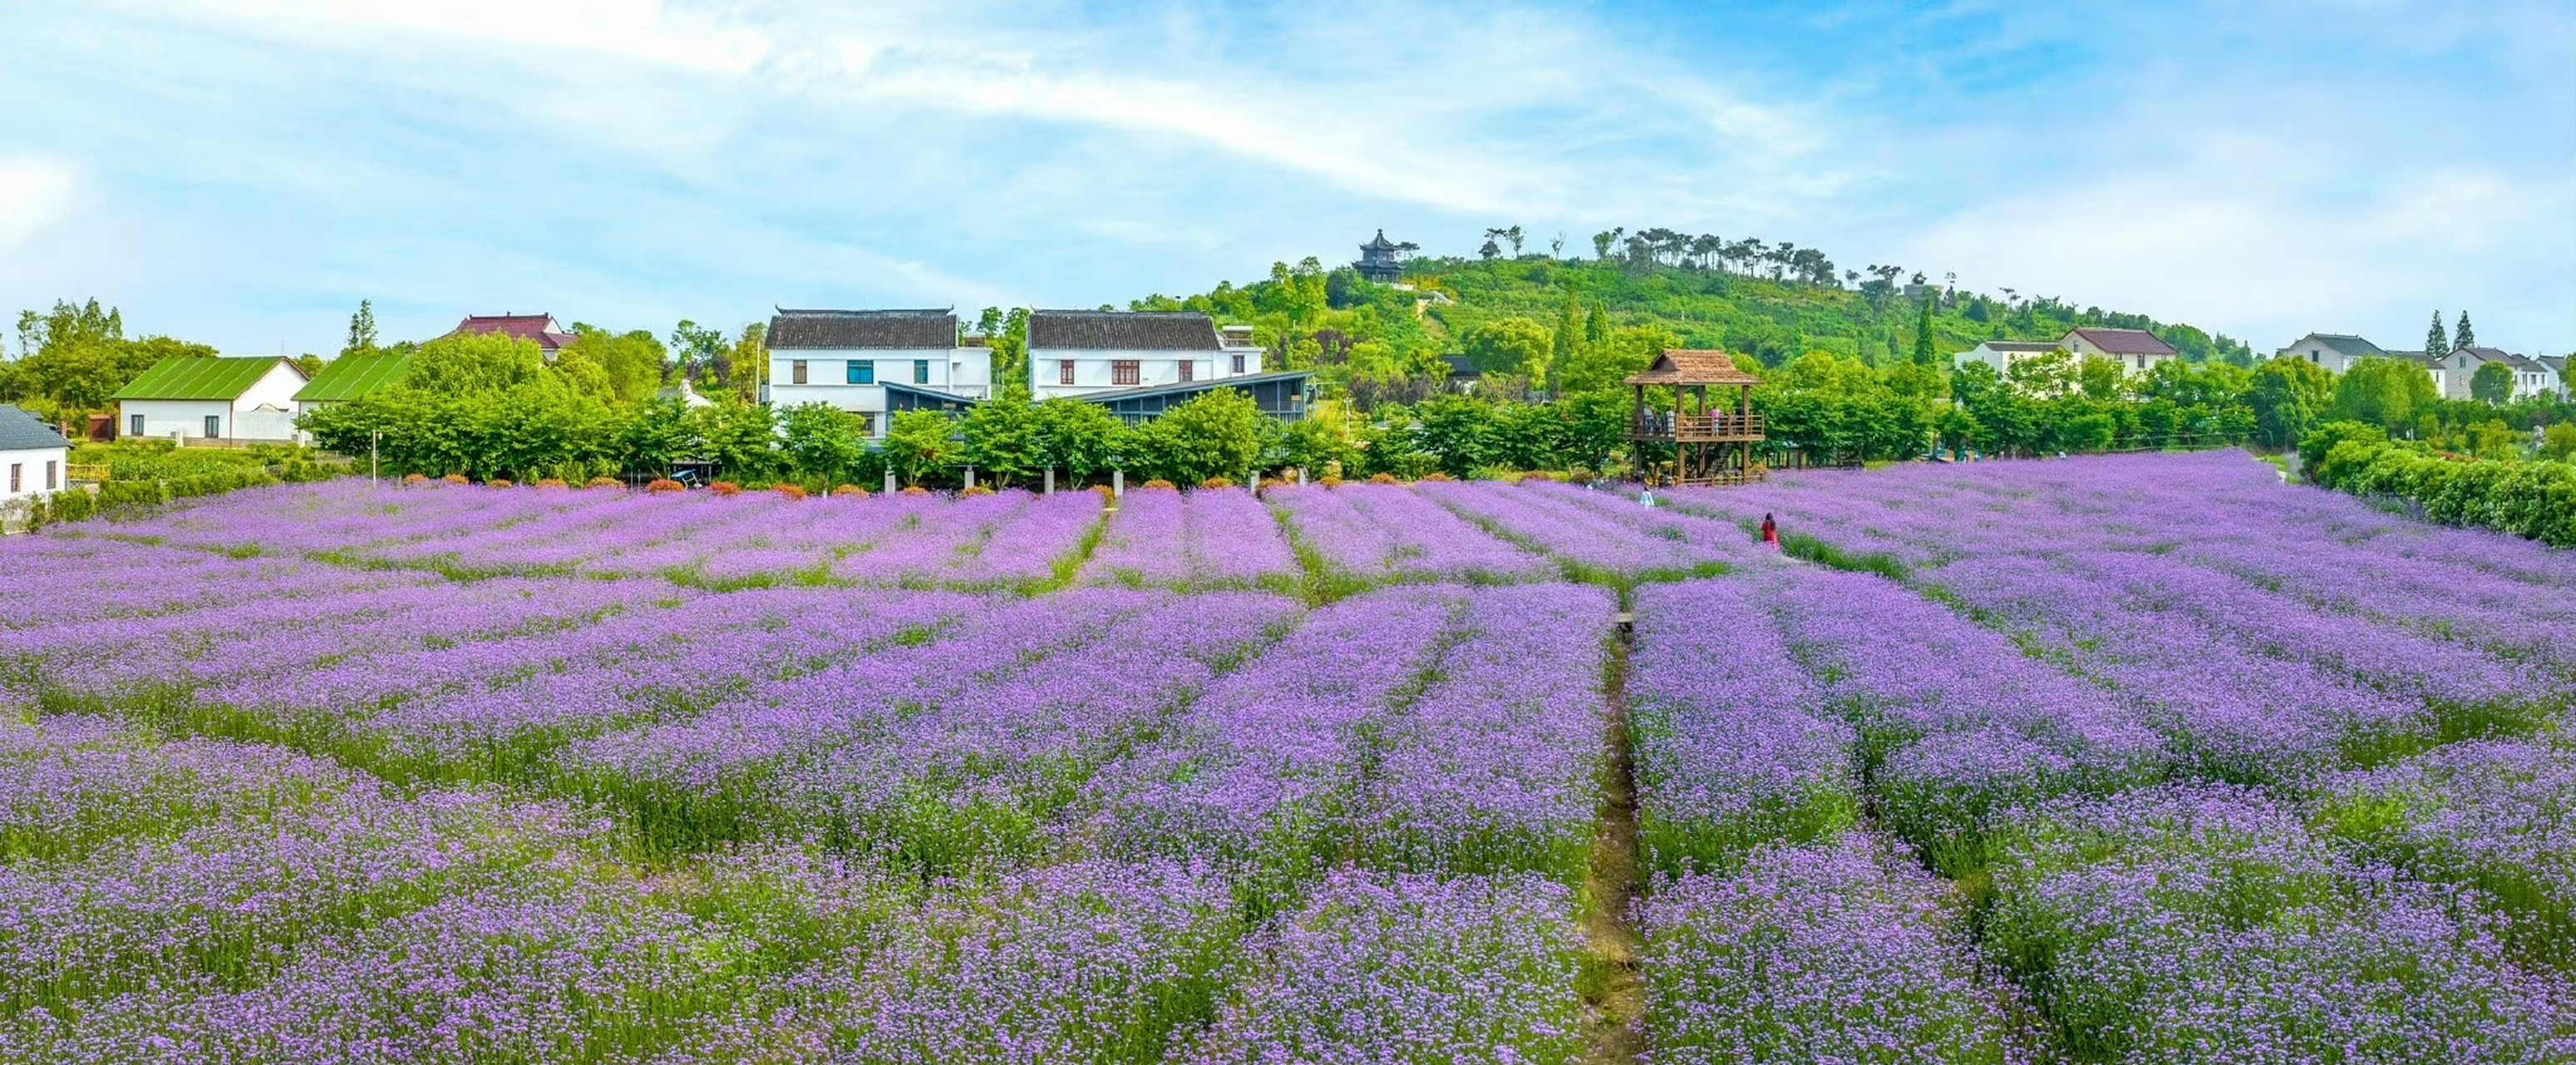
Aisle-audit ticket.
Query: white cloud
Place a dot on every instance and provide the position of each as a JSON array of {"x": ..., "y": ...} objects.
[{"x": 34, "y": 194}]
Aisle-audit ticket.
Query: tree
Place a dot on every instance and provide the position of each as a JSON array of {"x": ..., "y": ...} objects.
[
  {"x": 2383, "y": 392},
  {"x": 2559, "y": 441},
  {"x": 2492, "y": 384},
  {"x": 696, "y": 348},
  {"x": 1923, "y": 353},
  {"x": 362, "y": 331},
  {"x": 1602, "y": 367},
  {"x": 631, "y": 364},
  {"x": 1509, "y": 345},
  {"x": 918, "y": 443},
  {"x": 2435, "y": 344},
  {"x": 2462, "y": 337},
  {"x": 2289, "y": 396},
  {"x": 1213, "y": 435},
  {"x": 739, "y": 437},
  {"x": 820, "y": 442},
  {"x": 1001, "y": 439},
  {"x": 1490, "y": 250},
  {"x": 1596, "y": 324},
  {"x": 1083, "y": 439},
  {"x": 1602, "y": 242},
  {"x": 466, "y": 363}
]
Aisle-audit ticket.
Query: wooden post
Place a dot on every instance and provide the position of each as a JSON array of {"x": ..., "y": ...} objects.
[
  {"x": 889, "y": 482},
  {"x": 1050, "y": 482}
]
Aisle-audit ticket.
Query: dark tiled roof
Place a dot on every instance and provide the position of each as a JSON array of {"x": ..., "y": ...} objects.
[
  {"x": 1678, "y": 367},
  {"x": 2487, "y": 354},
  {"x": 2345, "y": 344},
  {"x": 20, "y": 431},
  {"x": 1122, "y": 331},
  {"x": 2126, "y": 341},
  {"x": 538, "y": 329},
  {"x": 836, "y": 330}
]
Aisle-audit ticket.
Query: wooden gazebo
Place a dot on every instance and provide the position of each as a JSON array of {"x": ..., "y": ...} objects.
[{"x": 1699, "y": 432}]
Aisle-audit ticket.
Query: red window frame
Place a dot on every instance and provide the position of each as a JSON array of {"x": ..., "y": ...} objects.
[
  {"x": 1126, "y": 372},
  {"x": 1189, "y": 370},
  {"x": 1064, "y": 371}
]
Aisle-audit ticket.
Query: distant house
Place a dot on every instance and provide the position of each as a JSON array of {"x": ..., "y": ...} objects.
[
  {"x": 245, "y": 398},
  {"x": 2002, "y": 354},
  {"x": 874, "y": 362},
  {"x": 2454, "y": 372},
  {"x": 2136, "y": 350},
  {"x": 2557, "y": 365},
  {"x": 1083, "y": 353},
  {"x": 2334, "y": 351},
  {"x": 351, "y": 377},
  {"x": 33, "y": 456},
  {"x": 538, "y": 329}
]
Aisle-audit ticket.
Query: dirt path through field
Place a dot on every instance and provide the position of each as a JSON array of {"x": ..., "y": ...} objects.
[{"x": 1611, "y": 990}]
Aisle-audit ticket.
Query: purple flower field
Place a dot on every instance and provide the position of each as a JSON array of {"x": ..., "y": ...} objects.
[{"x": 2139, "y": 759}]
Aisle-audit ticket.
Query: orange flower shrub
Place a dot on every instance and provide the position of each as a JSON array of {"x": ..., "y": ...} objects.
[
  {"x": 1436, "y": 475},
  {"x": 1382, "y": 478},
  {"x": 1217, "y": 482},
  {"x": 1331, "y": 481},
  {"x": 551, "y": 482},
  {"x": 665, "y": 484},
  {"x": 602, "y": 482},
  {"x": 790, "y": 491},
  {"x": 415, "y": 478},
  {"x": 916, "y": 490},
  {"x": 455, "y": 478},
  {"x": 1158, "y": 485},
  {"x": 500, "y": 482},
  {"x": 725, "y": 488},
  {"x": 850, "y": 490}
]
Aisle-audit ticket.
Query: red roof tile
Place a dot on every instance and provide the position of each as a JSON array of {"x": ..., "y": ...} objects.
[{"x": 539, "y": 329}]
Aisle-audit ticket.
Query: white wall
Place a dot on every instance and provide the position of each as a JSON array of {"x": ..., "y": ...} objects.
[
  {"x": 30, "y": 465},
  {"x": 963, "y": 371},
  {"x": 2133, "y": 365},
  {"x": 267, "y": 410},
  {"x": 164, "y": 417},
  {"x": 1093, "y": 370}
]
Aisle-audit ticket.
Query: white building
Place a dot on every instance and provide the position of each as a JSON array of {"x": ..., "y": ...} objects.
[
  {"x": 2334, "y": 351},
  {"x": 872, "y": 362},
  {"x": 2454, "y": 372},
  {"x": 2136, "y": 350},
  {"x": 2558, "y": 370},
  {"x": 2002, "y": 354},
  {"x": 1082, "y": 353},
  {"x": 34, "y": 459},
  {"x": 188, "y": 398}
]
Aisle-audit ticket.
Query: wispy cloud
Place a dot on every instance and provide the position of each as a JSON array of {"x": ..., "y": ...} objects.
[{"x": 34, "y": 193}]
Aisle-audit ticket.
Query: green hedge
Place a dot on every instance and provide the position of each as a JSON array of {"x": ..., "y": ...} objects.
[{"x": 2533, "y": 498}]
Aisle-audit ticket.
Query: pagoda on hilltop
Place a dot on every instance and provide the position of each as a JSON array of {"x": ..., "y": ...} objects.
[{"x": 1382, "y": 260}]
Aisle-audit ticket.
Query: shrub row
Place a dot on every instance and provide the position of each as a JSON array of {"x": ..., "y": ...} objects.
[{"x": 2532, "y": 498}]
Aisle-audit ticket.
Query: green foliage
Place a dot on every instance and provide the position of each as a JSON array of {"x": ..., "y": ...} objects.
[
  {"x": 2435, "y": 342},
  {"x": 1510, "y": 346},
  {"x": 1216, "y": 434},
  {"x": 820, "y": 443},
  {"x": 2314, "y": 447},
  {"x": 2288, "y": 397},
  {"x": 919, "y": 443},
  {"x": 2383, "y": 392},
  {"x": 631, "y": 365},
  {"x": 72, "y": 358},
  {"x": 2493, "y": 383},
  {"x": 2536, "y": 499},
  {"x": 2462, "y": 337},
  {"x": 362, "y": 331},
  {"x": 469, "y": 363},
  {"x": 1083, "y": 439},
  {"x": 2559, "y": 441},
  {"x": 1002, "y": 440}
]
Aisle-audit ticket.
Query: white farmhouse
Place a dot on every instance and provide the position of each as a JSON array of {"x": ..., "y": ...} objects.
[
  {"x": 2002, "y": 354},
  {"x": 184, "y": 397},
  {"x": 33, "y": 457},
  {"x": 2558, "y": 369},
  {"x": 873, "y": 362},
  {"x": 2136, "y": 350},
  {"x": 1085, "y": 353},
  {"x": 2454, "y": 372},
  {"x": 2334, "y": 351}
]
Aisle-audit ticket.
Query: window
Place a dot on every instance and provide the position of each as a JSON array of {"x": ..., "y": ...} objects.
[
  {"x": 868, "y": 420},
  {"x": 859, "y": 372},
  {"x": 796, "y": 372},
  {"x": 53, "y": 475},
  {"x": 1189, "y": 369},
  {"x": 1238, "y": 364},
  {"x": 15, "y": 470},
  {"x": 214, "y": 426},
  {"x": 133, "y": 425},
  {"x": 1064, "y": 371},
  {"x": 921, "y": 371},
  {"x": 1124, "y": 372}
]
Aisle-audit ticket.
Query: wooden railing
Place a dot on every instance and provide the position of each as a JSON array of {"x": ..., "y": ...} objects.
[{"x": 1697, "y": 428}]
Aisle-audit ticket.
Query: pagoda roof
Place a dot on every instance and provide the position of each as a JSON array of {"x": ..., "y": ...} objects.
[
  {"x": 1679, "y": 367},
  {"x": 1379, "y": 243}
]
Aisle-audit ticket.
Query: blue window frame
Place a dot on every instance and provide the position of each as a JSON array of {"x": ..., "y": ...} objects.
[
  {"x": 921, "y": 371},
  {"x": 860, "y": 372}
]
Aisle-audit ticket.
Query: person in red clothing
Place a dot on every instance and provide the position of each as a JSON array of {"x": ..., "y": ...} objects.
[{"x": 1770, "y": 533}]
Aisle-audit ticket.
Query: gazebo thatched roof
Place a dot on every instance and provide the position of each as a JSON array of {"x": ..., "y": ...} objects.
[{"x": 1677, "y": 367}]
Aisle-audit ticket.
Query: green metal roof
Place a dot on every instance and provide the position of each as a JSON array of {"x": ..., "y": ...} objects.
[
  {"x": 196, "y": 377},
  {"x": 351, "y": 376}
]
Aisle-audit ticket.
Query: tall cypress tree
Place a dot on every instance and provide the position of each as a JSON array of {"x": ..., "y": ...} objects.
[
  {"x": 1569, "y": 333},
  {"x": 2435, "y": 344},
  {"x": 2462, "y": 336},
  {"x": 362, "y": 330},
  {"x": 1923, "y": 332},
  {"x": 1596, "y": 326}
]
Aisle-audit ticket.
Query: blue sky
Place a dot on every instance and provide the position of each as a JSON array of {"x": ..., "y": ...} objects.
[{"x": 244, "y": 171}]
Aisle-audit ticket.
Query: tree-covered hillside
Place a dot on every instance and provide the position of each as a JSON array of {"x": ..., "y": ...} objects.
[{"x": 1773, "y": 304}]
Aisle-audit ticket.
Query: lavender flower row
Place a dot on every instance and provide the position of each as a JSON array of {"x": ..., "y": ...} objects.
[
  {"x": 1381, "y": 532},
  {"x": 1617, "y": 538},
  {"x": 1194, "y": 540},
  {"x": 1828, "y": 952},
  {"x": 1735, "y": 745},
  {"x": 2500, "y": 817}
]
